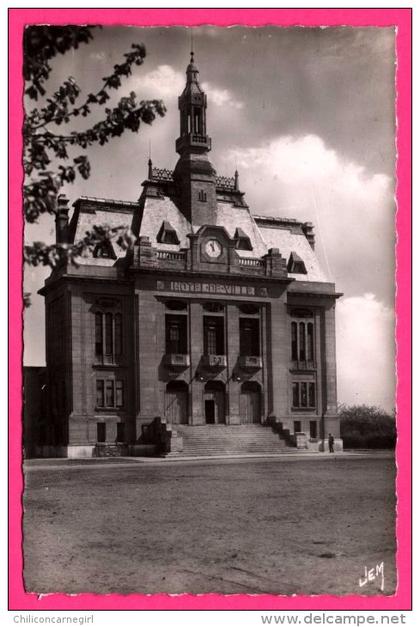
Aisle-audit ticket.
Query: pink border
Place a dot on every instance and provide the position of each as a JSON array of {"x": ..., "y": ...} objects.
[{"x": 18, "y": 18}]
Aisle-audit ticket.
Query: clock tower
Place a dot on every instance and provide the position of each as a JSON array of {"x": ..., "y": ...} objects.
[{"x": 194, "y": 174}]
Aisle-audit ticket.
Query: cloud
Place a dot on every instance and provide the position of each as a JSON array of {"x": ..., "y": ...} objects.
[
  {"x": 166, "y": 82},
  {"x": 98, "y": 56},
  {"x": 221, "y": 97},
  {"x": 163, "y": 82},
  {"x": 353, "y": 210},
  {"x": 365, "y": 352}
]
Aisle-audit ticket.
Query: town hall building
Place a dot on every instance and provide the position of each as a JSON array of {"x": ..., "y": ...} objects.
[{"x": 214, "y": 333}]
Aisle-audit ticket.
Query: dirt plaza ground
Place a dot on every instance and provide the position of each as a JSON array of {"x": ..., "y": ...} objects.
[{"x": 279, "y": 526}]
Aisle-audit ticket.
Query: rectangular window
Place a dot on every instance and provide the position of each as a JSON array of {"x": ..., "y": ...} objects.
[
  {"x": 313, "y": 429},
  {"x": 101, "y": 432},
  {"x": 99, "y": 345},
  {"x": 302, "y": 341},
  {"x": 302, "y": 351},
  {"x": 118, "y": 333},
  {"x": 211, "y": 339},
  {"x": 119, "y": 393},
  {"x": 109, "y": 394},
  {"x": 294, "y": 342},
  {"x": 214, "y": 336},
  {"x": 310, "y": 341},
  {"x": 311, "y": 399},
  {"x": 295, "y": 389},
  {"x": 176, "y": 334},
  {"x": 249, "y": 336},
  {"x": 100, "y": 393},
  {"x": 197, "y": 120},
  {"x": 120, "y": 432},
  {"x": 108, "y": 334},
  {"x": 303, "y": 394},
  {"x": 297, "y": 426}
]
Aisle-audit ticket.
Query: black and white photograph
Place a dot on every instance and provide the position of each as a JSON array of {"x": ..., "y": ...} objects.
[{"x": 209, "y": 353}]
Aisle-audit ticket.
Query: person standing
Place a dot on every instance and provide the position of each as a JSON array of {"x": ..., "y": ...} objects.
[{"x": 331, "y": 443}]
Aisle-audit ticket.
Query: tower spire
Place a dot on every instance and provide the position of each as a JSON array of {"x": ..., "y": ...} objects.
[
  {"x": 194, "y": 174},
  {"x": 192, "y": 105},
  {"x": 192, "y": 46}
]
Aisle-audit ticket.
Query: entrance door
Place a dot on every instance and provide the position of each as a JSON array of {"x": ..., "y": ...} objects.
[
  {"x": 250, "y": 406},
  {"x": 176, "y": 404},
  {"x": 214, "y": 403},
  {"x": 209, "y": 410}
]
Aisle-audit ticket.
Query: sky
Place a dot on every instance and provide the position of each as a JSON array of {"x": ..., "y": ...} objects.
[{"x": 307, "y": 117}]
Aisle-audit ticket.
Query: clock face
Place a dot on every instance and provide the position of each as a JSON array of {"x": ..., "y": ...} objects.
[{"x": 213, "y": 248}]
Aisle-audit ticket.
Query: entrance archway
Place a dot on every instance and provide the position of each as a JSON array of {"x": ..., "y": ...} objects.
[
  {"x": 214, "y": 403},
  {"x": 176, "y": 403},
  {"x": 250, "y": 403}
]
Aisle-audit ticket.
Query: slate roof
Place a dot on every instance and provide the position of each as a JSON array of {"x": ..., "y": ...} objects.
[
  {"x": 154, "y": 212},
  {"x": 90, "y": 211},
  {"x": 231, "y": 218},
  {"x": 287, "y": 235},
  {"x": 151, "y": 211}
]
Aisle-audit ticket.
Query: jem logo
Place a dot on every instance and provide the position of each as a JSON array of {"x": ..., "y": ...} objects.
[{"x": 371, "y": 575}]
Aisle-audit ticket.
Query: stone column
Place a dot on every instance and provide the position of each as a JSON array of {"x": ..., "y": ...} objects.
[
  {"x": 280, "y": 350},
  {"x": 232, "y": 347},
  {"x": 196, "y": 351},
  {"x": 331, "y": 422},
  {"x": 75, "y": 313},
  {"x": 149, "y": 352}
]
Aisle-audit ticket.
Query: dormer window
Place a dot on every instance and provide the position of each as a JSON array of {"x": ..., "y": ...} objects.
[
  {"x": 167, "y": 234},
  {"x": 296, "y": 265},
  {"x": 202, "y": 195},
  {"x": 242, "y": 240},
  {"x": 104, "y": 250}
]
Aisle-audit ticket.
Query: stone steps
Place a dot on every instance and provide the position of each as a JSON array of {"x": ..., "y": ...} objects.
[{"x": 229, "y": 440}]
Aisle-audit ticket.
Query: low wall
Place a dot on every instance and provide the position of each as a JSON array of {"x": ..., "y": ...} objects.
[{"x": 86, "y": 452}]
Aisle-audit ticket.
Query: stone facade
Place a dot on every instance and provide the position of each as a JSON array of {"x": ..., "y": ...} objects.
[{"x": 215, "y": 316}]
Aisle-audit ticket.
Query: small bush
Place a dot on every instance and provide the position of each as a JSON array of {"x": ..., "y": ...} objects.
[{"x": 364, "y": 426}]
